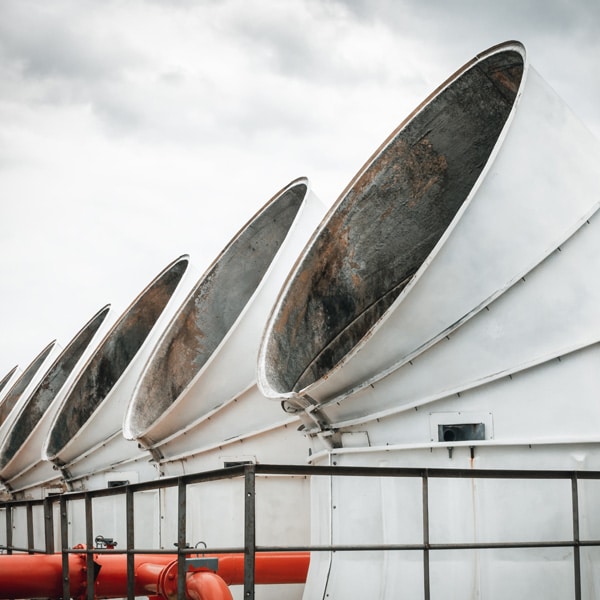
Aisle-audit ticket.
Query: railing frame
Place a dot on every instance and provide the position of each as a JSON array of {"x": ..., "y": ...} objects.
[{"x": 249, "y": 472}]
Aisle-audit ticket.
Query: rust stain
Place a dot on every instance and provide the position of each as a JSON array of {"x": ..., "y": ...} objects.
[{"x": 394, "y": 213}]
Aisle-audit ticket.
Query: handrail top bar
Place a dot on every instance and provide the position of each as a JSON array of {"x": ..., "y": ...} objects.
[{"x": 309, "y": 470}]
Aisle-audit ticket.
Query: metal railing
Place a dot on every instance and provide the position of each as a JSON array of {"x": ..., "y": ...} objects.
[{"x": 250, "y": 548}]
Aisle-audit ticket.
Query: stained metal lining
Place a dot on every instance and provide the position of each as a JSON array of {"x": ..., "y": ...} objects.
[
  {"x": 388, "y": 221},
  {"x": 7, "y": 377},
  {"x": 212, "y": 308},
  {"x": 15, "y": 392},
  {"x": 112, "y": 357},
  {"x": 46, "y": 391}
]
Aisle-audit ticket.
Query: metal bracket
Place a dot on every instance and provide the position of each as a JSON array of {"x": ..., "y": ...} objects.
[
  {"x": 105, "y": 542},
  {"x": 202, "y": 564}
]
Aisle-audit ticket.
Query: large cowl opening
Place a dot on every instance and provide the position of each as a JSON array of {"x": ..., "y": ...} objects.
[
  {"x": 16, "y": 391},
  {"x": 212, "y": 309},
  {"x": 113, "y": 356},
  {"x": 43, "y": 396},
  {"x": 388, "y": 221}
]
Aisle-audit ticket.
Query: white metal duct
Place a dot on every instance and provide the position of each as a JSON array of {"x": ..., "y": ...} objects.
[
  {"x": 446, "y": 315},
  {"x": 85, "y": 436},
  {"x": 21, "y": 464},
  {"x": 197, "y": 397},
  {"x": 4, "y": 382},
  {"x": 197, "y": 406},
  {"x": 18, "y": 393},
  {"x": 479, "y": 188}
]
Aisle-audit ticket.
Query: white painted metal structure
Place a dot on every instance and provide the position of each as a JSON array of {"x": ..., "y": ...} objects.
[
  {"x": 7, "y": 381},
  {"x": 21, "y": 464},
  {"x": 85, "y": 438},
  {"x": 23, "y": 386},
  {"x": 478, "y": 351},
  {"x": 196, "y": 405},
  {"x": 442, "y": 315}
]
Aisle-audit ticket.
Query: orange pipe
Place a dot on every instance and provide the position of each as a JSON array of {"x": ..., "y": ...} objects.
[
  {"x": 269, "y": 567},
  {"x": 112, "y": 578},
  {"x": 147, "y": 577},
  {"x": 30, "y": 579},
  {"x": 206, "y": 585},
  {"x": 35, "y": 576},
  {"x": 199, "y": 585},
  {"x": 40, "y": 576}
]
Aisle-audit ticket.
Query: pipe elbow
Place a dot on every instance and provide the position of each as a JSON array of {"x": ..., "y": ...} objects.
[{"x": 206, "y": 585}]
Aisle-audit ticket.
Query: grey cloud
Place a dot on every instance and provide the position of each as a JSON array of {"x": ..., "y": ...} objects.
[
  {"x": 560, "y": 16},
  {"x": 299, "y": 41},
  {"x": 66, "y": 60},
  {"x": 562, "y": 38},
  {"x": 57, "y": 41},
  {"x": 58, "y": 55}
]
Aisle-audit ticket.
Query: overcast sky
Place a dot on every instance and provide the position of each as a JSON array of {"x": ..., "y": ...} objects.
[{"x": 132, "y": 132}]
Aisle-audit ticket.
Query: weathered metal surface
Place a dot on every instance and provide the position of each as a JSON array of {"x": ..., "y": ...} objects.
[
  {"x": 387, "y": 223},
  {"x": 503, "y": 334},
  {"x": 551, "y": 313},
  {"x": 537, "y": 190},
  {"x": 15, "y": 392},
  {"x": 111, "y": 359},
  {"x": 4, "y": 381},
  {"x": 34, "y": 410},
  {"x": 212, "y": 308},
  {"x": 498, "y": 329},
  {"x": 207, "y": 355}
]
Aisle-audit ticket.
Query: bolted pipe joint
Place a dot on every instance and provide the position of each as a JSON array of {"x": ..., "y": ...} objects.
[{"x": 200, "y": 584}]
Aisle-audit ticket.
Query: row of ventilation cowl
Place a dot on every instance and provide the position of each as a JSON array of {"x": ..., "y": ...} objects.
[{"x": 470, "y": 197}]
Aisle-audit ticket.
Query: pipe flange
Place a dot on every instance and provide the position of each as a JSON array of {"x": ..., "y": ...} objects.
[{"x": 166, "y": 584}]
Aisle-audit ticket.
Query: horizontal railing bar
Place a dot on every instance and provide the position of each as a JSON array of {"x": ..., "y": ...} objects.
[
  {"x": 17, "y": 503},
  {"x": 340, "y": 548},
  {"x": 193, "y": 551},
  {"x": 266, "y": 469},
  {"x": 456, "y": 546},
  {"x": 24, "y": 550},
  {"x": 166, "y": 482},
  {"x": 312, "y": 471},
  {"x": 503, "y": 545}
]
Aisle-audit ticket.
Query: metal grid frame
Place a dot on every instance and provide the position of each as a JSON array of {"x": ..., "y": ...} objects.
[{"x": 250, "y": 548}]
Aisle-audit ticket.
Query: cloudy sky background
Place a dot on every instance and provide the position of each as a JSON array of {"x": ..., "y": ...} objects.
[{"x": 132, "y": 132}]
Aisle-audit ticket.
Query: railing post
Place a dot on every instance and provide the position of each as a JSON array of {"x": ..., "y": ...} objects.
[
  {"x": 576, "y": 545},
  {"x": 130, "y": 543},
  {"x": 89, "y": 543},
  {"x": 249, "y": 530},
  {"x": 9, "y": 529},
  {"x": 30, "y": 540},
  {"x": 426, "y": 576},
  {"x": 48, "y": 526},
  {"x": 181, "y": 537},
  {"x": 64, "y": 544}
]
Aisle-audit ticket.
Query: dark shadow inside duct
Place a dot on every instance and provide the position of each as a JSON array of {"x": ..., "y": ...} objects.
[
  {"x": 112, "y": 358},
  {"x": 46, "y": 391},
  {"x": 389, "y": 220},
  {"x": 212, "y": 308},
  {"x": 13, "y": 395},
  {"x": 6, "y": 378}
]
